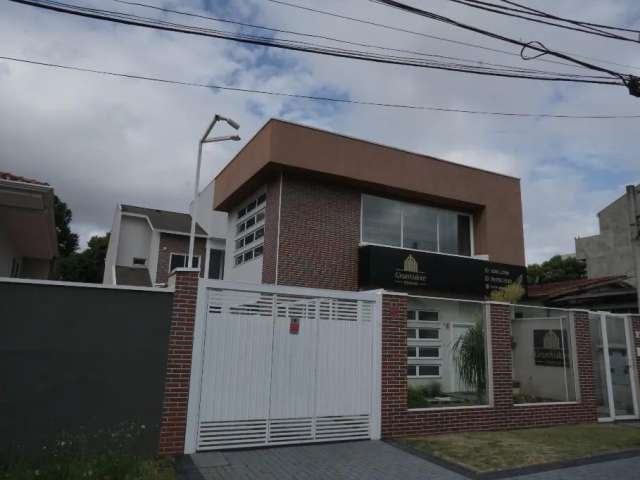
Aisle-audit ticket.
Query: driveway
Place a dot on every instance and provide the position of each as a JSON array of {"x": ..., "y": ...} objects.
[{"x": 370, "y": 460}]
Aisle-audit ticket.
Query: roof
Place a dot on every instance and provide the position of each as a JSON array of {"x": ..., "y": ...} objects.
[
  {"x": 561, "y": 288},
  {"x": 16, "y": 178},
  {"x": 133, "y": 276},
  {"x": 165, "y": 220}
]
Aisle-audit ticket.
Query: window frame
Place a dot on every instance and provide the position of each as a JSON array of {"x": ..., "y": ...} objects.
[
  {"x": 402, "y": 247},
  {"x": 186, "y": 256}
]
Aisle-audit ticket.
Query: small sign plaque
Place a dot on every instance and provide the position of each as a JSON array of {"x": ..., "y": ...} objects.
[{"x": 294, "y": 326}]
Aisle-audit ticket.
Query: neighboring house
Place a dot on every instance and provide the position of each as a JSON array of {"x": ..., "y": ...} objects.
[
  {"x": 146, "y": 244},
  {"x": 28, "y": 238},
  {"x": 611, "y": 294},
  {"x": 610, "y": 252}
]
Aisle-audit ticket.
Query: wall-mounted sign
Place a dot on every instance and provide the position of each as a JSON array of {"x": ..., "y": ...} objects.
[
  {"x": 551, "y": 348},
  {"x": 399, "y": 269}
]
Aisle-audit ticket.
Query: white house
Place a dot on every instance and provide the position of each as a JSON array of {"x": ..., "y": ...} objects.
[{"x": 146, "y": 243}]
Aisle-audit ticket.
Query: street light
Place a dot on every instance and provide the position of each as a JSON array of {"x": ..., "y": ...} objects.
[{"x": 205, "y": 139}]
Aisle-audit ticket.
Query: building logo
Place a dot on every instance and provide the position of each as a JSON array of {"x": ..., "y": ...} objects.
[
  {"x": 551, "y": 348},
  {"x": 410, "y": 264},
  {"x": 410, "y": 274}
]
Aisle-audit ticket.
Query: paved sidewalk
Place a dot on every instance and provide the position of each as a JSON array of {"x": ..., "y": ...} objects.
[{"x": 373, "y": 460}]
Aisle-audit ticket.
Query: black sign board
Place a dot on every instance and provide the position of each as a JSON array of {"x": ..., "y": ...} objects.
[
  {"x": 399, "y": 269},
  {"x": 551, "y": 348}
]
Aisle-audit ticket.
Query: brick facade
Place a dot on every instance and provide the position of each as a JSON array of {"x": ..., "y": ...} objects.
[
  {"x": 170, "y": 243},
  {"x": 319, "y": 234},
  {"x": 173, "y": 423},
  {"x": 398, "y": 421},
  {"x": 269, "y": 256}
]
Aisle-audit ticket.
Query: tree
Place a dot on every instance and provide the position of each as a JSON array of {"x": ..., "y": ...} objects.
[
  {"x": 511, "y": 293},
  {"x": 67, "y": 241},
  {"x": 556, "y": 269},
  {"x": 87, "y": 266}
]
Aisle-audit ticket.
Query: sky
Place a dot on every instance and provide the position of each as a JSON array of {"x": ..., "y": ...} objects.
[{"x": 100, "y": 140}]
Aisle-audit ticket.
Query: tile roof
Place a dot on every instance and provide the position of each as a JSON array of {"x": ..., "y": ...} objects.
[
  {"x": 16, "y": 178},
  {"x": 165, "y": 220},
  {"x": 556, "y": 288}
]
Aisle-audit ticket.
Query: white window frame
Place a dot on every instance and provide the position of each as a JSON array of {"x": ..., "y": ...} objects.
[
  {"x": 239, "y": 252},
  {"x": 186, "y": 255},
  {"x": 401, "y": 247},
  {"x": 417, "y": 318},
  {"x": 418, "y": 365}
]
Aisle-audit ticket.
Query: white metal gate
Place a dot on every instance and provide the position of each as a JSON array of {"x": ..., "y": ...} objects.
[{"x": 264, "y": 383}]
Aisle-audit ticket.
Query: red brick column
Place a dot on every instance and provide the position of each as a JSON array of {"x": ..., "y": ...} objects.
[
  {"x": 501, "y": 357},
  {"x": 176, "y": 388},
  {"x": 584, "y": 352},
  {"x": 394, "y": 364}
]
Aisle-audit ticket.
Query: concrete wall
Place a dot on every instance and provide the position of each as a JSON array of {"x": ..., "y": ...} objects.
[
  {"x": 7, "y": 252},
  {"x": 79, "y": 359},
  {"x": 212, "y": 221},
  {"x": 609, "y": 253},
  {"x": 109, "y": 275},
  {"x": 135, "y": 240}
]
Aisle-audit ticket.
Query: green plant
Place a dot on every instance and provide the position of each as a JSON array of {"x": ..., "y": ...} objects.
[
  {"x": 434, "y": 390},
  {"x": 416, "y": 397},
  {"x": 469, "y": 355},
  {"x": 511, "y": 293}
]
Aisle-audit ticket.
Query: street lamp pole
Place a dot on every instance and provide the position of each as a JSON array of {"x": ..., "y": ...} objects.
[{"x": 205, "y": 139}]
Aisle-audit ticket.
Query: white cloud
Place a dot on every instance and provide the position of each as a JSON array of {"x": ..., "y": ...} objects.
[{"x": 102, "y": 140}]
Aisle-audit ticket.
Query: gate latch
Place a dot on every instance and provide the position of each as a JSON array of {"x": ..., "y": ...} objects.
[{"x": 294, "y": 326}]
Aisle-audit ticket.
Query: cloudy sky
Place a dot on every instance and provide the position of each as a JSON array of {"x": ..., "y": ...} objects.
[{"x": 102, "y": 140}]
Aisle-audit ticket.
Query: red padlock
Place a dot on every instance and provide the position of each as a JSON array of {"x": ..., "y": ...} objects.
[{"x": 294, "y": 326}]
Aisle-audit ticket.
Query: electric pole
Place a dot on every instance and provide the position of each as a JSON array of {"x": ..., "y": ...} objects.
[{"x": 634, "y": 229}]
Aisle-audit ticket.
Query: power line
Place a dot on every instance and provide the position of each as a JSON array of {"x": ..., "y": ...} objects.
[
  {"x": 443, "y": 39},
  {"x": 299, "y": 46},
  {"x": 536, "y": 15},
  {"x": 533, "y": 11},
  {"x": 318, "y": 98},
  {"x": 323, "y": 37},
  {"x": 633, "y": 83}
]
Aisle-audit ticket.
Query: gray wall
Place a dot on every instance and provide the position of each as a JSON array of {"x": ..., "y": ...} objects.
[{"x": 76, "y": 359}]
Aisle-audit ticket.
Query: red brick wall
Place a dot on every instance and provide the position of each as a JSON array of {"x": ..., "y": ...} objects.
[
  {"x": 169, "y": 244},
  {"x": 173, "y": 423},
  {"x": 319, "y": 234},
  {"x": 397, "y": 420},
  {"x": 271, "y": 231}
]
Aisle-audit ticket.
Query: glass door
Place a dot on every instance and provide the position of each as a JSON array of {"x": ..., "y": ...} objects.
[{"x": 613, "y": 367}]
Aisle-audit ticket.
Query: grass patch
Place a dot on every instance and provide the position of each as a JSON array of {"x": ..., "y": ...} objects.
[
  {"x": 493, "y": 451},
  {"x": 100, "y": 467}
]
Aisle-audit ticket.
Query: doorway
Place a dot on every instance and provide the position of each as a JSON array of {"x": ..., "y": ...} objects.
[{"x": 613, "y": 367}]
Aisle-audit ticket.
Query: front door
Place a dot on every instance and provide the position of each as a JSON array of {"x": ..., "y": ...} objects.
[{"x": 613, "y": 367}]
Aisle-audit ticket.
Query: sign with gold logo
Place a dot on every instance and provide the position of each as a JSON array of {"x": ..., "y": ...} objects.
[
  {"x": 551, "y": 348},
  {"x": 401, "y": 269},
  {"x": 409, "y": 274}
]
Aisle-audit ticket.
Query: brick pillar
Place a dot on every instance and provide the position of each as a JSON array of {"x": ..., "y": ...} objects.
[
  {"x": 394, "y": 364},
  {"x": 176, "y": 387},
  {"x": 501, "y": 358},
  {"x": 584, "y": 353}
]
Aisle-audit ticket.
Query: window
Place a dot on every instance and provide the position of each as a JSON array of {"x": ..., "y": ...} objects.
[
  {"x": 250, "y": 231},
  {"x": 422, "y": 315},
  {"x": 418, "y": 227},
  {"x": 437, "y": 331},
  {"x": 178, "y": 260},
  {"x": 216, "y": 264},
  {"x": 543, "y": 356},
  {"x": 139, "y": 261}
]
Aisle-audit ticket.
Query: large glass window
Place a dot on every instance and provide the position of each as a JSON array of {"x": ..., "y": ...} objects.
[
  {"x": 446, "y": 353},
  {"x": 543, "y": 356},
  {"x": 418, "y": 227}
]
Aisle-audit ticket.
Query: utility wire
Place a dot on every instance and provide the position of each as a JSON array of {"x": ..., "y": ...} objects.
[
  {"x": 318, "y": 98},
  {"x": 129, "y": 19},
  {"x": 434, "y": 37},
  {"x": 632, "y": 83},
  {"x": 323, "y": 37},
  {"x": 533, "y": 11},
  {"x": 531, "y": 17}
]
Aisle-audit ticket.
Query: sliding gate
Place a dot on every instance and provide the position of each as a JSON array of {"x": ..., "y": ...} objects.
[{"x": 283, "y": 365}]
